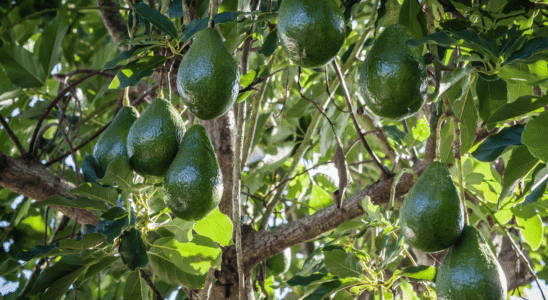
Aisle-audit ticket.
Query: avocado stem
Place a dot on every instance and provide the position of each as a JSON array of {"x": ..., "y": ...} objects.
[
  {"x": 393, "y": 188},
  {"x": 211, "y": 8}
]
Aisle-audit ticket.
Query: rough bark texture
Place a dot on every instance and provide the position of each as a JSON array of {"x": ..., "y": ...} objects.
[
  {"x": 114, "y": 22},
  {"x": 32, "y": 180}
]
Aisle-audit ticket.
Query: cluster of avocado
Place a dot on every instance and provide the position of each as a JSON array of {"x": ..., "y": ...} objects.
[
  {"x": 156, "y": 144},
  {"x": 432, "y": 219}
]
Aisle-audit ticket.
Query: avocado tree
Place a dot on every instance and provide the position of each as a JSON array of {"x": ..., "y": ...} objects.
[{"x": 313, "y": 180}]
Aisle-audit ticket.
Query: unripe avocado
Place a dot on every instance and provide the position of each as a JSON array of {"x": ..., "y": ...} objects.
[
  {"x": 133, "y": 250},
  {"x": 279, "y": 263},
  {"x": 208, "y": 79},
  {"x": 432, "y": 215},
  {"x": 194, "y": 183},
  {"x": 111, "y": 144},
  {"x": 470, "y": 270},
  {"x": 393, "y": 79},
  {"x": 312, "y": 32},
  {"x": 154, "y": 139}
]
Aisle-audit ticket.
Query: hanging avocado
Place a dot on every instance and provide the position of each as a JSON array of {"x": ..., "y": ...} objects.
[
  {"x": 111, "y": 144},
  {"x": 470, "y": 270},
  {"x": 312, "y": 32},
  {"x": 194, "y": 183},
  {"x": 154, "y": 139},
  {"x": 208, "y": 79},
  {"x": 432, "y": 215},
  {"x": 393, "y": 78}
]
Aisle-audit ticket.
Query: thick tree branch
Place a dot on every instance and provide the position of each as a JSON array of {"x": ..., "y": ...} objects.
[
  {"x": 32, "y": 180},
  {"x": 114, "y": 22}
]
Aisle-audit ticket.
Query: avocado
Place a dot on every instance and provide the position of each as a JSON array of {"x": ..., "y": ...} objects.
[
  {"x": 312, "y": 32},
  {"x": 133, "y": 250},
  {"x": 111, "y": 144},
  {"x": 194, "y": 183},
  {"x": 432, "y": 215},
  {"x": 279, "y": 263},
  {"x": 154, "y": 139},
  {"x": 208, "y": 79},
  {"x": 393, "y": 78},
  {"x": 470, "y": 270}
]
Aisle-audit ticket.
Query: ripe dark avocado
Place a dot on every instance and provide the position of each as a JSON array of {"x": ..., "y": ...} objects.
[
  {"x": 393, "y": 78},
  {"x": 432, "y": 215},
  {"x": 133, "y": 250},
  {"x": 279, "y": 263},
  {"x": 154, "y": 139},
  {"x": 312, "y": 32},
  {"x": 194, "y": 183},
  {"x": 208, "y": 79},
  {"x": 111, "y": 144},
  {"x": 471, "y": 271}
]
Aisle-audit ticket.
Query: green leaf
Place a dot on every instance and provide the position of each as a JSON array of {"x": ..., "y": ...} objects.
[
  {"x": 182, "y": 229},
  {"x": 135, "y": 287},
  {"x": 156, "y": 18},
  {"x": 319, "y": 199},
  {"x": 270, "y": 44},
  {"x": 342, "y": 264},
  {"x": 122, "y": 56},
  {"x": 64, "y": 267},
  {"x": 523, "y": 105},
  {"x": 118, "y": 173},
  {"x": 531, "y": 74},
  {"x": 532, "y": 231},
  {"x": 134, "y": 71},
  {"x": 83, "y": 202},
  {"x": 462, "y": 102},
  {"x": 324, "y": 289},
  {"x": 531, "y": 52},
  {"x": 91, "y": 169},
  {"x": 58, "y": 289},
  {"x": 92, "y": 191},
  {"x": 413, "y": 17},
  {"x": 217, "y": 226},
  {"x": 88, "y": 241},
  {"x": 482, "y": 44},
  {"x": 420, "y": 272},
  {"x": 305, "y": 280},
  {"x": 49, "y": 50},
  {"x": 537, "y": 185},
  {"x": 22, "y": 67},
  {"x": 133, "y": 250},
  {"x": 521, "y": 162},
  {"x": 491, "y": 96},
  {"x": 493, "y": 146},
  {"x": 198, "y": 24},
  {"x": 34, "y": 251},
  {"x": 104, "y": 263},
  {"x": 535, "y": 134},
  {"x": 440, "y": 38},
  {"x": 373, "y": 211}
]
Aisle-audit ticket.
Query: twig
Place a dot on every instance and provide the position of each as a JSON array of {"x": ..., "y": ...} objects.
[
  {"x": 62, "y": 77},
  {"x": 261, "y": 79},
  {"x": 413, "y": 149},
  {"x": 12, "y": 136},
  {"x": 148, "y": 92},
  {"x": 151, "y": 284},
  {"x": 46, "y": 226},
  {"x": 8, "y": 229},
  {"x": 329, "y": 92},
  {"x": 386, "y": 173}
]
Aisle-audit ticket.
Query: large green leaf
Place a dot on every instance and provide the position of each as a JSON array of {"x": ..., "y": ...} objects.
[
  {"x": 92, "y": 191},
  {"x": 420, "y": 272},
  {"x": 491, "y": 96},
  {"x": 136, "y": 287},
  {"x": 521, "y": 162},
  {"x": 118, "y": 173},
  {"x": 520, "y": 107},
  {"x": 217, "y": 226},
  {"x": 493, "y": 146},
  {"x": 169, "y": 270},
  {"x": 49, "y": 50},
  {"x": 88, "y": 241},
  {"x": 319, "y": 199},
  {"x": 34, "y": 251},
  {"x": 342, "y": 264},
  {"x": 532, "y": 230},
  {"x": 413, "y": 17},
  {"x": 534, "y": 136},
  {"x": 67, "y": 265},
  {"x": 156, "y": 18},
  {"x": 22, "y": 67},
  {"x": 83, "y": 202},
  {"x": 305, "y": 280},
  {"x": 136, "y": 70},
  {"x": 182, "y": 229}
]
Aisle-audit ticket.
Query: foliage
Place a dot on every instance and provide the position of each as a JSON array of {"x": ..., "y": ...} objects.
[{"x": 62, "y": 75}]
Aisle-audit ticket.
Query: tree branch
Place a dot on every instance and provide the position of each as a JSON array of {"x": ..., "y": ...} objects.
[
  {"x": 32, "y": 180},
  {"x": 12, "y": 136},
  {"x": 114, "y": 22}
]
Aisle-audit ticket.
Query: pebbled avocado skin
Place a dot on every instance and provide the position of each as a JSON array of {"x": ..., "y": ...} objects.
[
  {"x": 194, "y": 183},
  {"x": 432, "y": 215},
  {"x": 154, "y": 139},
  {"x": 470, "y": 270},
  {"x": 279, "y": 263},
  {"x": 312, "y": 32},
  {"x": 111, "y": 144},
  {"x": 208, "y": 79},
  {"x": 393, "y": 79}
]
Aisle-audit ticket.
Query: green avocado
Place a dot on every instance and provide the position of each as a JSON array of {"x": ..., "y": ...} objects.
[
  {"x": 133, "y": 250},
  {"x": 194, "y": 183},
  {"x": 111, "y": 144},
  {"x": 432, "y": 215},
  {"x": 471, "y": 271},
  {"x": 279, "y": 263},
  {"x": 208, "y": 79},
  {"x": 393, "y": 78},
  {"x": 154, "y": 139},
  {"x": 312, "y": 32}
]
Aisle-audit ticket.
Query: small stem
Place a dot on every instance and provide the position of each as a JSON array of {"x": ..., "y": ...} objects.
[
  {"x": 126, "y": 97},
  {"x": 438, "y": 140},
  {"x": 12, "y": 221},
  {"x": 211, "y": 13},
  {"x": 457, "y": 155},
  {"x": 384, "y": 170},
  {"x": 12, "y": 136},
  {"x": 394, "y": 184}
]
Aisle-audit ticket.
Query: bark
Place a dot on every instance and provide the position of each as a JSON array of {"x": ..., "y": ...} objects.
[
  {"x": 32, "y": 180},
  {"x": 114, "y": 22}
]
